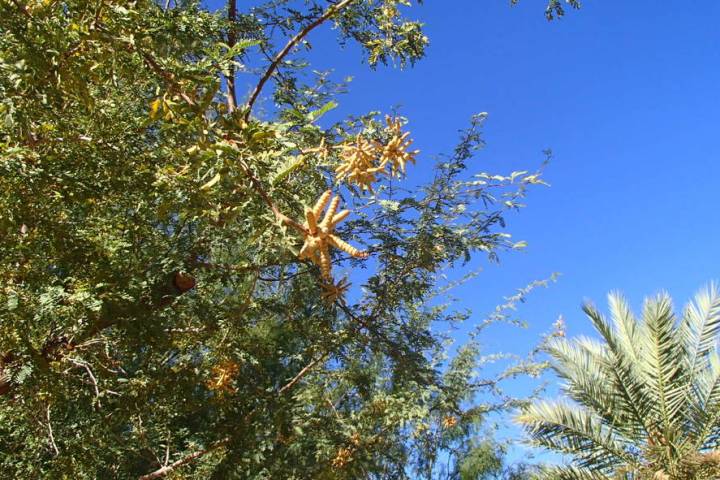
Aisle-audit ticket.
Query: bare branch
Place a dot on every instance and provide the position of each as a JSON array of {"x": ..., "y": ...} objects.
[
  {"x": 161, "y": 472},
  {"x": 86, "y": 366},
  {"x": 167, "y": 452},
  {"x": 332, "y": 10},
  {"x": 50, "y": 433},
  {"x": 302, "y": 373},
  {"x": 230, "y": 78}
]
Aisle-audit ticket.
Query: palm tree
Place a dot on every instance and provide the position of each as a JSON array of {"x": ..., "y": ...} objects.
[{"x": 643, "y": 403}]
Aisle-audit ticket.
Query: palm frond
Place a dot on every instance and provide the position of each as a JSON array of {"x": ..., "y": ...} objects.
[
  {"x": 573, "y": 430},
  {"x": 700, "y": 327},
  {"x": 705, "y": 409},
  {"x": 630, "y": 383},
  {"x": 570, "y": 473},
  {"x": 699, "y": 330},
  {"x": 581, "y": 363},
  {"x": 661, "y": 364},
  {"x": 627, "y": 327},
  {"x": 648, "y": 395}
]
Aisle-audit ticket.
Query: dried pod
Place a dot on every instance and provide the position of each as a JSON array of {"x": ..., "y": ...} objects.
[
  {"x": 319, "y": 234},
  {"x": 184, "y": 282},
  {"x": 395, "y": 152}
]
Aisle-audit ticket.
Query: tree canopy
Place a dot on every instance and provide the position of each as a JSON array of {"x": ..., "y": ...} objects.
[{"x": 171, "y": 299}]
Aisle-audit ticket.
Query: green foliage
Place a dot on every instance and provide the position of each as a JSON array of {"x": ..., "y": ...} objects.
[
  {"x": 555, "y": 8},
  {"x": 643, "y": 403},
  {"x": 482, "y": 461},
  {"x": 155, "y": 314}
]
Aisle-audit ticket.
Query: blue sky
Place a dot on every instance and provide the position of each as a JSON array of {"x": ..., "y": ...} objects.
[{"x": 626, "y": 95}]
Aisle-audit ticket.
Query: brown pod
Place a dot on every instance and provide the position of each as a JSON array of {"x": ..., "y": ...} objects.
[
  {"x": 184, "y": 282},
  {"x": 5, "y": 384}
]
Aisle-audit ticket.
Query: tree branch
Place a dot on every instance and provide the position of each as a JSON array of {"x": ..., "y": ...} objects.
[
  {"x": 50, "y": 433},
  {"x": 86, "y": 366},
  {"x": 301, "y": 374},
  {"x": 230, "y": 78},
  {"x": 161, "y": 472},
  {"x": 168, "y": 77},
  {"x": 151, "y": 63},
  {"x": 332, "y": 10},
  {"x": 266, "y": 198}
]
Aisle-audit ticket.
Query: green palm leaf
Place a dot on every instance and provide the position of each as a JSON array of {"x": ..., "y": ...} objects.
[
  {"x": 582, "y": 364},
  {"x": 566, "y": 428},
  {"x": 571, "y": 473},
  {"x": 643, "y": 403}
]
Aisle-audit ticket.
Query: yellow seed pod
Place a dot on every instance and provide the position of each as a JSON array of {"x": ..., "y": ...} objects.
[
  {"x": 319, "y": 235},
  {"x": 395, "y": 152},
  {"x": 359, "y": 163}
]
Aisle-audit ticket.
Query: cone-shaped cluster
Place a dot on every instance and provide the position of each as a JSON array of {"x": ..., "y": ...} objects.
[
  {"x": 395, "y": 152},
  {"x": 223, "y": 376},
  {"x": 319, "y": 234},
  {"x": 359, "y": 163},
  {"x": 363, "y": 160}
]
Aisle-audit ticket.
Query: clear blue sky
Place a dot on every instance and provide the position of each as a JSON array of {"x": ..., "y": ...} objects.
[{"x": 627, "y": 96}]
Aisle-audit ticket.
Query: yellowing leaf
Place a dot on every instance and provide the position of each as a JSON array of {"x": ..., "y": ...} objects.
[
  {"x": 155, "y": 107},
  {"x": 212, "y": 182}
]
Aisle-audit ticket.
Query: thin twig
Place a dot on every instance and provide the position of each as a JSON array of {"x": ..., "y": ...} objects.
[
  {"x": 301, "y": 374},
  {"x": 332, "y": 406},
  {"x": 232, "y": 38},
  {"x": 86, "y": 366},
  {"x": 161, "y": 472},
  {"x": 50, "y": 433},
  {"x": 266, "y": 198},
  {"x": 332, "y": 10}
]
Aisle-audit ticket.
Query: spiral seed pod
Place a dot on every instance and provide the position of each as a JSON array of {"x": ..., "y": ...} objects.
[
  {"x": 340, "y": 244},
  {"x": 395, "y": 153},
  {"x": 319, "y": 236},
  {"x": 320, "y": 204},
  {"x": 359, "y": 163}
]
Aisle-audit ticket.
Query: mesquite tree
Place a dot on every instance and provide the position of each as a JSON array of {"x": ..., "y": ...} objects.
[{"x": 172, "y": 300}]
